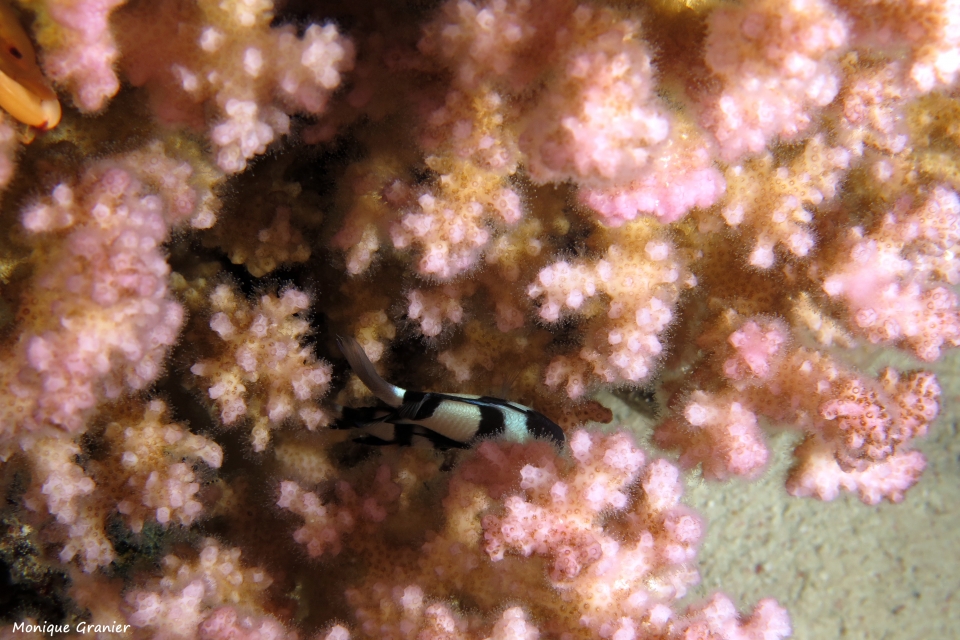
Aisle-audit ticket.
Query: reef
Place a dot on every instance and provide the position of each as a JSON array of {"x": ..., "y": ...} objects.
[{"x": 727, "y": 207}]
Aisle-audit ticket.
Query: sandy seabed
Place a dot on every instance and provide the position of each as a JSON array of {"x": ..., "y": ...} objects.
[{"x": 843, "y": 569}]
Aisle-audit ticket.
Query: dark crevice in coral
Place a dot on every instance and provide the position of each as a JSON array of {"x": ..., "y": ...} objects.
[{"x": 29, "y": 587}]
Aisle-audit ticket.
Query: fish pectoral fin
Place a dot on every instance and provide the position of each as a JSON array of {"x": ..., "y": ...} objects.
[{"x": 409, "y": 410}]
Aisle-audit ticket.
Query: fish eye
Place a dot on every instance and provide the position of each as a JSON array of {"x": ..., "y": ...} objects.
[{"x": 16, "y": 53}]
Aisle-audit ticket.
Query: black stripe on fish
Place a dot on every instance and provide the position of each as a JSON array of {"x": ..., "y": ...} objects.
[
  {"x": 418, "y": 405},
  {"x": 492, "y": 422},
  {"x": 543, "y": 427}
]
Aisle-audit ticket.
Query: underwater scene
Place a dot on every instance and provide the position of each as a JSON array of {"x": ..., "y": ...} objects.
[{"x": 479, "y": 319}]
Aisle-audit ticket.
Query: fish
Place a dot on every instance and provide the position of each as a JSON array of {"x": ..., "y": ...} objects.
[
  {"x": 438, "y": 420},
  {"x": 24, "y": 92}
]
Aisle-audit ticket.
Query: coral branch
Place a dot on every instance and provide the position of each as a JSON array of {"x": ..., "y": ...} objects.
[{"x": 262, "y": 371}]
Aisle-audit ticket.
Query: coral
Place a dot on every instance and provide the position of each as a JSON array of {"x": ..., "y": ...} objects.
[
  {"x": 262, "y": 371},
  {"x": 167, "y": 490},
  {"x": 431, "y": 309},
  {"x": 197, "y": 597},
  {"x": 859, "y": 430},
  {"x": 642, "y": 277},
  {"x": 274, "y": 216},
  {"x": 449, "y": 226},
  {"x": 616, "y": 546},
  {"x": 718, "y": 618},
  {"x": 777, "y": 65},
  {"x": 505, "y": 41},
  {"x": 870, "y": 101},
  {"x": 926, "y": 28},
  {"x": 895, "y": 280},
  {"x": 450, "y": 223},
  {"x": 144, "y": 476},
  {"x": 97, "y": 319},
  {"x": 226, "y": 623},
  {"x": 8, "y": 151},
  {"x": 325, "y": 524},
  {"x": 893, "y": 467},
  {"x": 731, "y": 209},
  {"x": 63, "y": 488},
  {"x": 78, "y": 48},
  {"x": 770, "y": 205},
  {"x": 602, "y": 126},
  {"x": 180, "y": 54}
]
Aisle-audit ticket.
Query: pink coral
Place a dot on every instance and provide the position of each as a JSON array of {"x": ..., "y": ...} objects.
[
  {"x": 62, "y": 487},
  {"x": 78, "y": 49},
  {"x": 776, "y": 61},
  {"x": 100, "y": 317},
  {"x": 451, "y": 223},
  {"x": 859, "y": 430},
  {"x": 718, "y": 618},
  {"x": 721, "y": 433},
  {"x": 770, "y": 203},
  {"x": 162, "y": 486},
  {"x": 450, "y": 234},
  {"x": 226, "y": 623},
  {"x": 484, "y": 41},
  {"x": 434, "y": 309},
  {"x": 325, "y": 524},
  {"x": 262, "y": 371},
  {"x": 871, "y": 101},
  {"x": 617, "y": 547},
  {"x": 895, "y": 281},
  {"x": 640, "y": 290},
  {"x": 9, "y": 147},
  {"x": 146, "y": 475},
  {"x": 556, "y": 516},
  {"x": 731, "y": 205},
  {"x": 196, "y": 597},
  {"x": 928, "y": 28},
  {"x": 602, "y": 125},
  {"x": 225, "y": 57},
  {"x": 896, "y": 467}
]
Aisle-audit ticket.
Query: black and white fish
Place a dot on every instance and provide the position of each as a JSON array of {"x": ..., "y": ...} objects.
[{"x": 441, "y": 420}]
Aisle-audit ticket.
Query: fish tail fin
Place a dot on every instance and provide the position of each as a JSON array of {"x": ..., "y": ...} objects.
[{"x": 361, "y": 365}]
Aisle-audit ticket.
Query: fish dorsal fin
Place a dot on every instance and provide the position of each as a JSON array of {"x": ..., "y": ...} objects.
[
  {"x": 361, "y": 365},
  {"x": 506, "y": 386}
]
